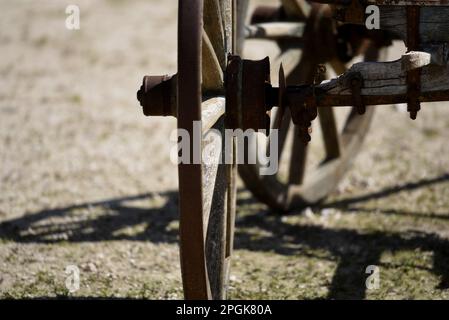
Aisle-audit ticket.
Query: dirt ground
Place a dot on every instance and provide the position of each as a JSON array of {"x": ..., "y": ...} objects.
[{"x": 86, "y": 180}]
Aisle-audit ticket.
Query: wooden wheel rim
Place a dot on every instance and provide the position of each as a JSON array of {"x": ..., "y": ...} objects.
[
  {"x": 206, "y": 193},
  {"x": 192, "y": 250}
]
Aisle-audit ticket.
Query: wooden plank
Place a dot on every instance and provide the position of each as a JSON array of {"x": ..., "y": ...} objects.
[
  {"x": 415, "y": 60},
  {"x": 387, "y": 78},
  {"x": 434, "y": 23}
]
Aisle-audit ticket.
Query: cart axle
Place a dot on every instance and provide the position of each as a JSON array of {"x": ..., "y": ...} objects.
[{"x": 250, "y": 95}]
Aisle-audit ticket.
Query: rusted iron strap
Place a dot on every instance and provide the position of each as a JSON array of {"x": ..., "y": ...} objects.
[
  {"x": 413, "y": 76},
  {"x": 356, "y": 84}
]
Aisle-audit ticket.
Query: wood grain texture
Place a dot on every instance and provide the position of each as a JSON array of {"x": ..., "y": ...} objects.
[
  {"x": 387, "y": 78},
  {"x": 211, "y": 72},
  {"x": 434, "y": 23},
  {"x": 214, "y": 208},
  {"x": 213, "y": 26}
]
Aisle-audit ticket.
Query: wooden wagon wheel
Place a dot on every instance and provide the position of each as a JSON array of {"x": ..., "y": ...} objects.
[
  {"x": 341, "y": 147},
  {"x": 207, "y": 190},
  {"x": 196, "y": 96}
]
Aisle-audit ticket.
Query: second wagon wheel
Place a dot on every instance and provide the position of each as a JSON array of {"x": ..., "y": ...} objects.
[
  {"x": 306, "y": 185},
  {"x": 207, "y": 190}
]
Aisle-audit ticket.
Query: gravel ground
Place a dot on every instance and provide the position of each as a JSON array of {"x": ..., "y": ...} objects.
[{"x": 86, "y": 180}]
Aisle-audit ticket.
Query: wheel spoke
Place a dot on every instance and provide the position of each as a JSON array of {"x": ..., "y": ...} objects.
[
  {"x": 228, "y": 25},
  {"x": 211, "y": 112},
  {"x": 281, "y": 119},
  {"x": 354, "y": 124},
  {"x": 242, "y": 8},
  {"x": 283, "y": 125},
  {"x": 297, "y": 159},
  {"x": 303, "y": 73},
  {"x": 213, "y": 25},
  {"x": 338, "y": 66},
  {"x": 215, "y": 203},
  {"x": 275, "y": 30},
  {"x": 212, "y": 74},
  {"x": 328, "y": 123},
  {"x": 219, "y": 189},
  {"x": 329, "y": 132}
]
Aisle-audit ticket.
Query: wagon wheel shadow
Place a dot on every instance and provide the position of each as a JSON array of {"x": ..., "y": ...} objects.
[
  {"x": 153, "y": 217},
  {"x": 111, "y": 219},
  {"x": 351, "y": 249}
]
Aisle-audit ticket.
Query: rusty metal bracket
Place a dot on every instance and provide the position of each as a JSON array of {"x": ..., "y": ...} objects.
[
  {"x": 309, "y": 113},
  {"x": 233, "y": 84},
  {"x": 413, "y": 76},
  {"x": 355, "y": 82},
  {"x": 303, "y": 109},
  {"x": 247, "y": 101}
]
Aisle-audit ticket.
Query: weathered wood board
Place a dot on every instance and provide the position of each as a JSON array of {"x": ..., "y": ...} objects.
[
  {"x": 434, "y": 22},
  {"x": 388, "y": 78}
]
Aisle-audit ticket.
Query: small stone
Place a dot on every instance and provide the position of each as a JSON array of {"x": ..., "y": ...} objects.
[
  {"x": 309, "y": 213},
  {"x": 89, "y": 267}
]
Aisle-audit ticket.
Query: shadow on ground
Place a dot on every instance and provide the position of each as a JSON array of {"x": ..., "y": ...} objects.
[{"x": 348, "y": 281}]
